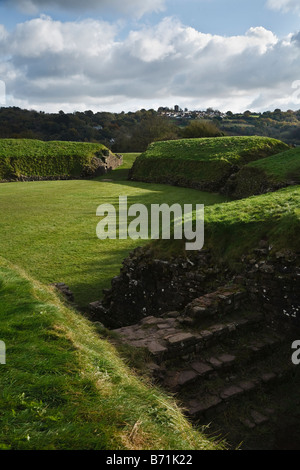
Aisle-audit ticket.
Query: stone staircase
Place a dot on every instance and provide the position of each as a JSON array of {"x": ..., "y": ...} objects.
[{"x": 224, "y": 363}]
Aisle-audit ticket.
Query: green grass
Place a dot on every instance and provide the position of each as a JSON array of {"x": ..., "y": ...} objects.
[
  {"x": 207, "y": 161},
  {"x": 230, "y": 149},
  {"x": 234, "y": 228},
  {"x": 49, "y": 227},
  {"x": 238, "y": 226},
  {"x": 65, "y": 387},
  {"x": 36, "y": 158},
  {"x": 267, "y": 174},
  {"x": 282, "y": 167}
]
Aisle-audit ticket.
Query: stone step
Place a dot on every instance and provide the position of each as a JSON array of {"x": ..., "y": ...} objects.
[
  {"x": 193, "y": 342},
  {"x": 166, "y": 338},
  {"x": 276, "y": 410},
  {"x": 217, "y": 360},
  {"x": 202, "y": 403}
]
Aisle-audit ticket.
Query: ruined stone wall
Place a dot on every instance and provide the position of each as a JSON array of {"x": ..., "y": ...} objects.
[{"x": 148, "y": 286}]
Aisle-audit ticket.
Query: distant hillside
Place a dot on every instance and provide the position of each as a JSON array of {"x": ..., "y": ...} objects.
[
  {"x": 22, "y": 159},
  {"x": 266, "y": 175},
  {"x": 201, "y": 163}
]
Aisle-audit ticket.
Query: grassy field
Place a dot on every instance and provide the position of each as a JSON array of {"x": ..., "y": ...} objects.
[
  {"x": 64, "y": 387},
  {"x": 207, "y": 161},
  {"x": 49, "y": 228},
  {"x": 36, "y": 158}
]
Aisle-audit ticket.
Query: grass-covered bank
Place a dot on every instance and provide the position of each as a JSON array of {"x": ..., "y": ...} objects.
[
  {"x": 267, "y": 174},
  {"x": 64, "y": 387},
  {"x": 202, "y": 163},
  {"x": 49, "y": 228},
  {"x": 236, "y": 227},
  {"x": 34, "y": 158}
]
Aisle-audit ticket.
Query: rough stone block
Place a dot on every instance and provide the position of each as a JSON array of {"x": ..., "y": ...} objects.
[
  {"x": 231, "y": 392},
  {"x": 156, "y": 348},
  {"x": 186, "y": 376},
  {"x": 247, "y": 385},
  {"x": 199, "y": 406},
  {"x": 226, "y": 359},
  {"x": 201, "y": 367},
  {"x": 258, "y": 418},
  {"x": 180, "y": 339},
  {"x": 268, "y": 377},
  {"x": 215, "y": 362}
]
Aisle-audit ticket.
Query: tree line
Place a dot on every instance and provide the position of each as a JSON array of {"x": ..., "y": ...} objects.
[{"x": 134, "y": 131}]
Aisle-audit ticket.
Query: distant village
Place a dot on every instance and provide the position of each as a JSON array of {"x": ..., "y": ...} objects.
[{"x": 179, "y": 113}]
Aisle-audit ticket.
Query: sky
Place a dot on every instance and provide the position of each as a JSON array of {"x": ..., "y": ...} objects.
[{"x": 117, "y": 55}]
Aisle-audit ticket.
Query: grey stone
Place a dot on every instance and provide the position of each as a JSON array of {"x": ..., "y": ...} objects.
[
  {"x": 226, "y": 358},
  {"x": 248, "y": 423},
  {"x": 180, "y": 338},
  {"x": 172, "y": 314},
  {"x": 231, "y": 392},
  {"x": 258, "y": 418},
  {"x": 197, "y": 311},
  {"x": 247, "y": 385},
  {"x": 268, "y": 377},
  {"x": 186, "y": 376},
  {"x": 198, "y": 406},
  {"x": 149, "y": 321},
  {"x": 163, "y": 326},
  {"x": 215, "y": 363},
  {"x": 140, "y": 343},
  {"x": 201, "y": 367},
  {"x": 156, "y": 348}
]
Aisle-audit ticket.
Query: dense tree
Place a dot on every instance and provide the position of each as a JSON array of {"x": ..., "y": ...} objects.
[{"x": 201, "y": 129}]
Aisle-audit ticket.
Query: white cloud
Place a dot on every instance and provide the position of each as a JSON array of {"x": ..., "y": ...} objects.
[
  {"x": 43, "y": 35},
  {"x": 53, "y": 65},
  {"x": 284, "y": 5},
  {"x": 136, "y": 7}
]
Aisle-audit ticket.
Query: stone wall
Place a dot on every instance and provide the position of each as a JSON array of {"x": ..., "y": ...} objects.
[
  {"x": 148, "y": 286},
  {"x": 272, "y": 281}
]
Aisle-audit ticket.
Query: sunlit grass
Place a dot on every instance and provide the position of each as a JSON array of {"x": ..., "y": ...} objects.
[
  {"x": 282, "y": 167},
  {"x": 64, "y": 387},
  {"x": 207, "y": 160},
  {"x": 49, "y": 228}
]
